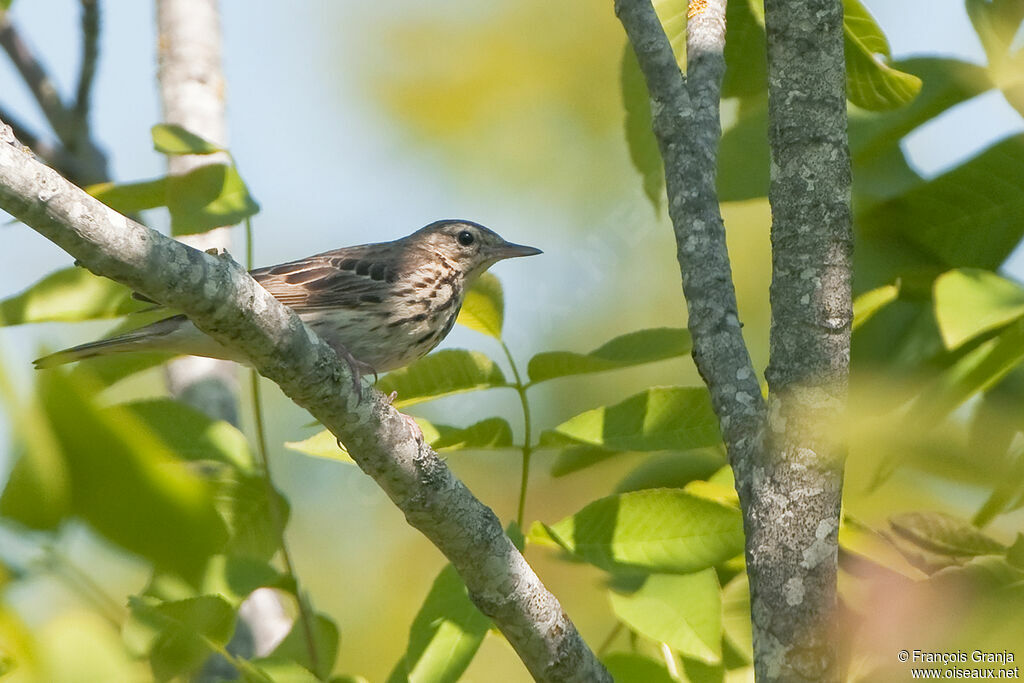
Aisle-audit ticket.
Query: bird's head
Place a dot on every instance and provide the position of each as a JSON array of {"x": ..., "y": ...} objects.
[{"x": 469, "y": 246}]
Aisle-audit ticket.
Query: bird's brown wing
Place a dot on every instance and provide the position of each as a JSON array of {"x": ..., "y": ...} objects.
[{"x": 345, "y": 278}]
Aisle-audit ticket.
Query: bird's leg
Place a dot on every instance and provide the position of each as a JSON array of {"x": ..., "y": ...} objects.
[{"x": 356, "y": 366}]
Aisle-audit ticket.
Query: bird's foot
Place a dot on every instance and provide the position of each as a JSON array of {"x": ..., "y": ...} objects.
[
  {"x": 358, "y": 368},
  {"x": 391, "y": 397}
]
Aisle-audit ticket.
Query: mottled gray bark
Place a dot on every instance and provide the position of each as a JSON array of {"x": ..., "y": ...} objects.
[
  {"x": 192, "y": 93},
  {"x": 223, "y": 301},
  {"x": 794, "y": 519},
  {"x": 686, "y": 123},
  {"x": 787, "y": 458}
]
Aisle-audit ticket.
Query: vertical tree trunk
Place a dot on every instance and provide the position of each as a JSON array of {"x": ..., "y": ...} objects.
[
  {"x": 192, "y": 92},
  {"x": 793, "y": 518}
]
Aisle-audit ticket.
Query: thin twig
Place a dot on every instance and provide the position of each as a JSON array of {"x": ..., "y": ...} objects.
[
  {"x": 87, "y": 68},
  {"x": 37, "y": 80}
]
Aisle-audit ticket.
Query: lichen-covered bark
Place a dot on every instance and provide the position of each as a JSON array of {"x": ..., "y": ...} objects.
[
  {"x": 223, "y": 301},
  {"x": 192, "y": 92},
  {"x": 685, "y": 115},
  {"x": 794, "y": 519},
  {"x": 787, "y": 458}
]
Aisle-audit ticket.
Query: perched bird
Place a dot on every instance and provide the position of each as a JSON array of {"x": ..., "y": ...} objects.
[{"x": 380, "y": 306}]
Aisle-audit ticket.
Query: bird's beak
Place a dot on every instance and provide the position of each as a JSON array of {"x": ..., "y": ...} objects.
[{"x": 509, "y": 250}]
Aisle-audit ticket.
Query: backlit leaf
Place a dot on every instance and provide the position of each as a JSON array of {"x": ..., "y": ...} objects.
[
  {"x": 867, "y": 304},
  {"x": 445, "y": 635},
  {"x": 208, "y": 197},
  {"x": 944, "y": 534},
  {"x": 451, "y": 371},
  {"x": 634, "y": 348},
  {"x": 657, "y": 530},
  {"x": 127, "y": 483},
  {"x": 682, "y": 610},
  {"x": 326, "y": 638},
  {"x": 129, "y": 198},
  {"x": 170, "y": 138},
  {"x": 870, "y": 82},
  {"x": 68, "y": 295},
  {"x": 661, "y": 418},
  {"x": 971, "y": 301},
  {"x": 483, "y": 309},
  {"x": 178, "y": 636}
]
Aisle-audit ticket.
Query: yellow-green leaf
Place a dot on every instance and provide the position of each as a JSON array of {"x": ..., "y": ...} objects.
[
  {"x": 684, "y": 611},
  {"x": 657, "y": 530},
  {"x": 68, "y": 295},
  {"x": 170, "y": 138},
  {"x": 971, "y": 301},
  {"x": 483, "y": 309},
  {"x": 661, "y": 418},
  {"x": 634, "y": 348},
  {"x": 451, "y": 371}
]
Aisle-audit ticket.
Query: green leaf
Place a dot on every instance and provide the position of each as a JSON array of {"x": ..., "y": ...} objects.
[
  {"x": 445, "y": 635},
  {"x": 244, "y": 503},
  {"x": 493, "y": 432},
  {"x": 321, "y": 445},
  {"x": 870, "y": 82},
  {"x": 277, "y": 670},
  {"x": 208, "y": 197},
  {"x": 235, "y": 577},
  {"x": 576, "y": 458},
  {"x": 325, "y": 637},
  {"x": 661, "y": 418},
  {"x": 643, "y": 146},
  {"x": 635, "y": 348},
  {"x": 867, "y": 304},
  {"x": 178, "y": 636},
  {"x": 743, "y": 152},
  {"x": 170, "y": 138},
  {"x": 944, "y": 534},
  {"x": 684, "y": 611},
  {"x": 658, "y": 530},
  {"x": 127, "y": 483},
  {"x": 736, "y": 616},
  {"x": 68, "y": 295},
  {"x": 996, "y": 23},
  {"x": 970, "y": 301},
  {"x": 443, "y": 373},
  {"x": 944, "y": 217},
  {"x": 746, "y": 67},
  {"x": 191, "y": 434},
  {"x": 673, "y": 470},
  {"x": 483, "y": 309},
  {"x": 129, "y": 198},
  {"x": 628, "y": 667},
  {"x": 977, "y": 370}
]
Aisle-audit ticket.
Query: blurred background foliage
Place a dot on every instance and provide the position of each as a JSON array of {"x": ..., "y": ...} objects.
[{"x": 529, "y": 117}]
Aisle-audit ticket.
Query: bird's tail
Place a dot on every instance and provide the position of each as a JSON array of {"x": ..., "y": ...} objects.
[
  {"x": 143, "y": 339},
  {"x": 126, "y": 342}
]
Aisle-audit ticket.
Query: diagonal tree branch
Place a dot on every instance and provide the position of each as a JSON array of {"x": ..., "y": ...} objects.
[
  {"x": 686, "y": 123},
  {"x": 378, "y": 437}
]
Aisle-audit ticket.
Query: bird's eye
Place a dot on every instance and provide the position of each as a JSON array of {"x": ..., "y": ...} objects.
[{"x": 465, "y": 238}]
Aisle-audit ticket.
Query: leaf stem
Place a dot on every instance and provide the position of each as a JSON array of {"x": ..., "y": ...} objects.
[
  {"x": 305, "y": 616},
  {"x": 527, "y": 434}
]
